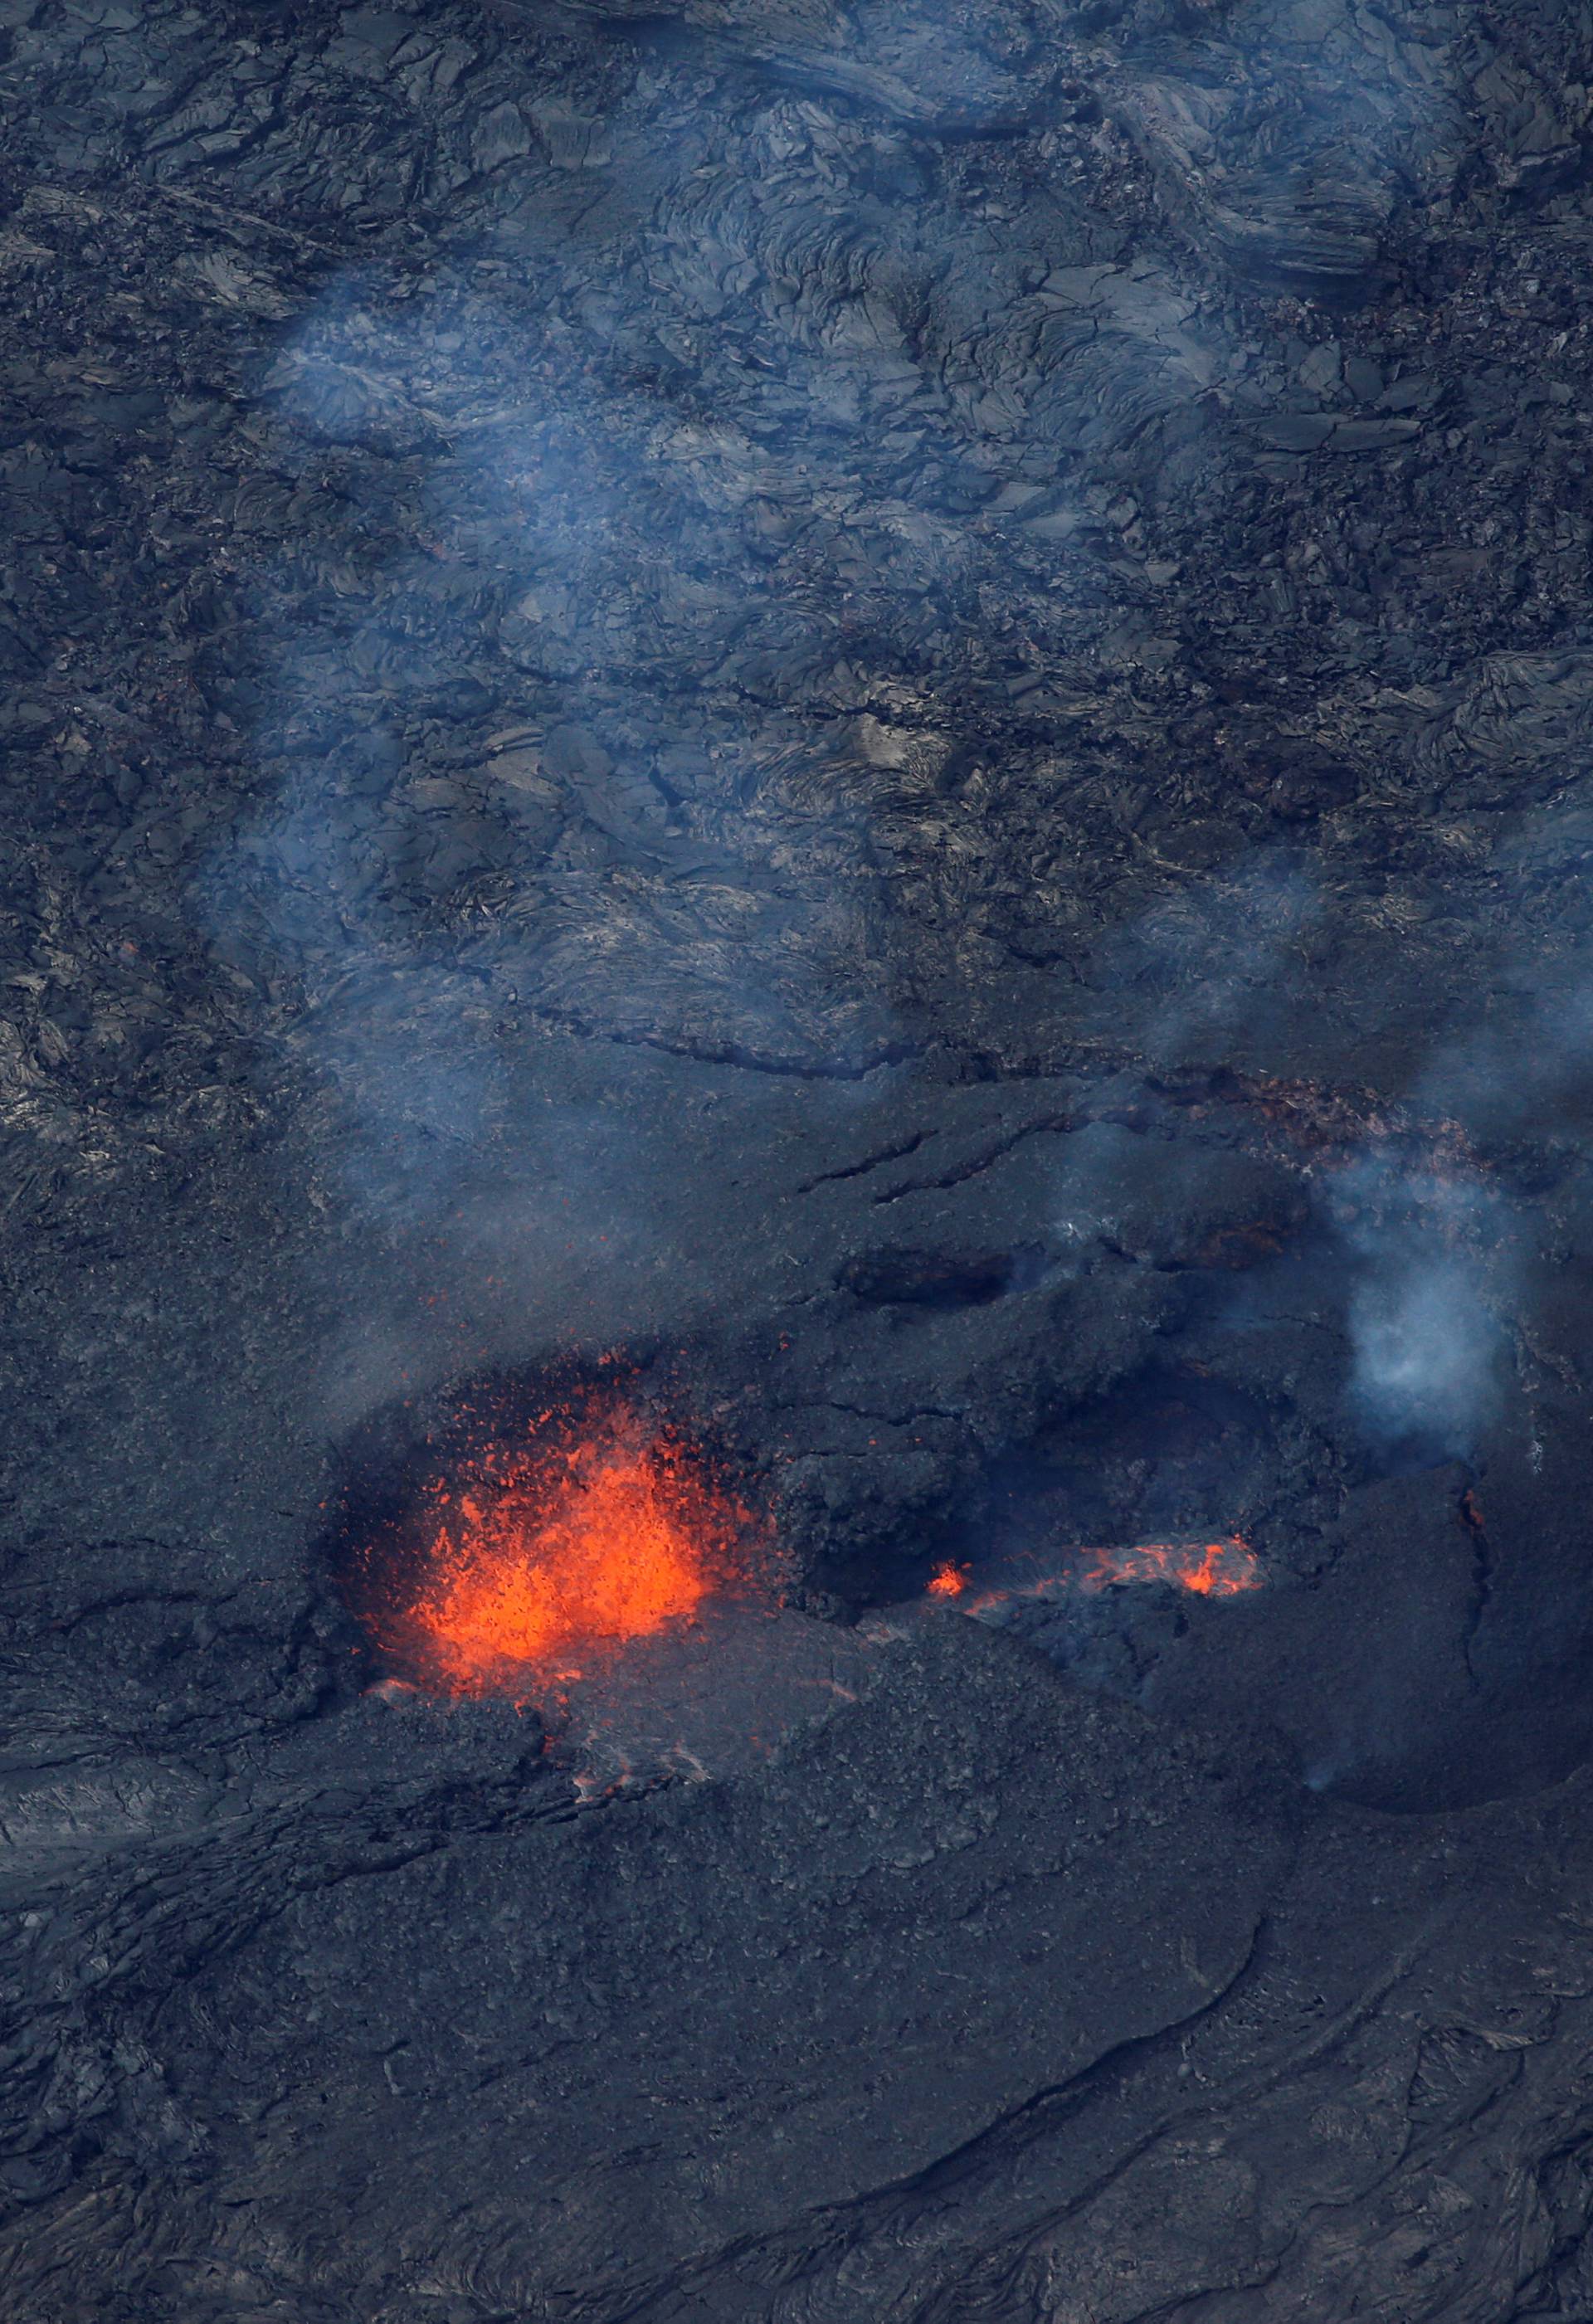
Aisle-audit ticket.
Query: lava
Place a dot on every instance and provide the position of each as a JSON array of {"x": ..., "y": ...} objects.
[
  {"x": 1212, "y": 1569},
  {"x": 594, "y": 1529}
]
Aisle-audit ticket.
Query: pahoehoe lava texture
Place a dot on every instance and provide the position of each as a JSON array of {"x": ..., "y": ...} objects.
[{"x": 888, "y": 705}]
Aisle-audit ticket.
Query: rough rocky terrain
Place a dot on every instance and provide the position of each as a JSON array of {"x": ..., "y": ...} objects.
[{"x": 883, "y": 713}]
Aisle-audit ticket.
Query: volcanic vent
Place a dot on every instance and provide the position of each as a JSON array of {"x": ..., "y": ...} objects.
[{"x": 534, "y": 1534}]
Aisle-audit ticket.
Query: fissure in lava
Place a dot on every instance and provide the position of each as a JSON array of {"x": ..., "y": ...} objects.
[{"x": 1212, "y": 1569}]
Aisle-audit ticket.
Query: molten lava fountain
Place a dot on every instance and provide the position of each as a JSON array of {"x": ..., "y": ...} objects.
[{"x": 539, "y": 1555}]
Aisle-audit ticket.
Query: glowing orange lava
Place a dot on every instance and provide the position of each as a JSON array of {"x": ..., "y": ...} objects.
[
  {"x": 597, "y": 1530},
  {"x": 1212, "y": 1569}
]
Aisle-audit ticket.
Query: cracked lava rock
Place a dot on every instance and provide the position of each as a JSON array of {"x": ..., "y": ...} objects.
[{"x": 866, "y": 726}]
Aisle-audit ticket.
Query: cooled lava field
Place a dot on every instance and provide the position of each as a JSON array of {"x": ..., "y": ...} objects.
[{"x": 798, "y": 1202}]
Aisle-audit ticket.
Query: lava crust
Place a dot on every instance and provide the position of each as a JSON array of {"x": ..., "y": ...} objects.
[{"x": 796, "y": 1215}]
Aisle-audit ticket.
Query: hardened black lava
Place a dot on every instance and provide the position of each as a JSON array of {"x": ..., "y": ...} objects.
[{"x": 890, "y": 706}]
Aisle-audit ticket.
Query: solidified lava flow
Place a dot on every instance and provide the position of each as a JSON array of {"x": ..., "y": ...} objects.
[{"x": 592, "y": 1528}]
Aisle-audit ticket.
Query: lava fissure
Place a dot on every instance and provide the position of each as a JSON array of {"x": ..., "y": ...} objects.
[
  {"x": 1482, "y": 1581},
  {"x": 1211, "y": 1569}
]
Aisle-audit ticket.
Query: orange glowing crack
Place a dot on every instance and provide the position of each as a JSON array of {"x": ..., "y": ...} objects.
[{"x": 1212, "y": 1569}]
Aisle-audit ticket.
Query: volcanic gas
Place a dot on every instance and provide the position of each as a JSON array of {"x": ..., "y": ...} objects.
[{"x": 587, "y": 1527}]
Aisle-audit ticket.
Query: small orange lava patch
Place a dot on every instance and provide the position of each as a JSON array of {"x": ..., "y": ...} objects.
[
  {"x": 597, "y": 1530},
  {"x": 947, "y": 1581}
]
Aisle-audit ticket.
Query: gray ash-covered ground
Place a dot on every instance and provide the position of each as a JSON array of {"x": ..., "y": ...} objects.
[{"x": 881, "y": 714}]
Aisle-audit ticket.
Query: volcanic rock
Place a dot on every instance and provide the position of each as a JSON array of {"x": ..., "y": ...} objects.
[{"x": 878, "y": 720}]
